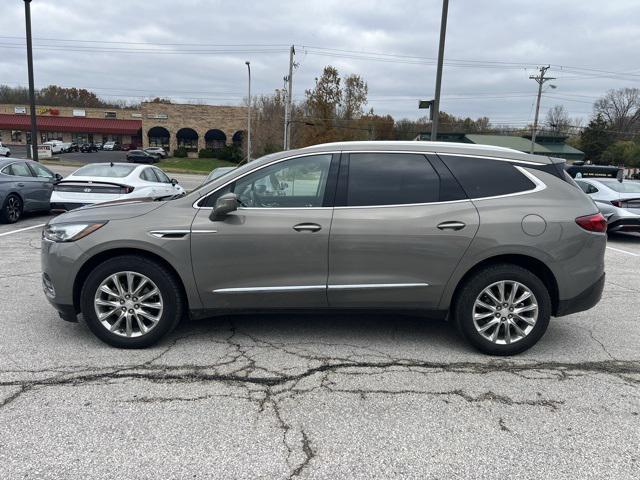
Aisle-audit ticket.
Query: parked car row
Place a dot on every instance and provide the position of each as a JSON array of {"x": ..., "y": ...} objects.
[
  {"x": 617, "y": 199},
  {"x": 28, "y": 186}
]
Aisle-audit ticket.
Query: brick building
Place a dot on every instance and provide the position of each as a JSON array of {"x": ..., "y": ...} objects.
[{"x": 154, "y": 124}]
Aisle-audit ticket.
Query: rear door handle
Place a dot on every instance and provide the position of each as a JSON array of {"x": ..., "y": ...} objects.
[
  {"x": 451, "y": 226},
  {"x": 21, "y": 184},
  {"x": 307, "y": 227}
]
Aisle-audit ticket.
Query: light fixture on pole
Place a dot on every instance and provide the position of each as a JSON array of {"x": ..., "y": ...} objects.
[
  {"x": 249, "y": 114},
  {"x": 32, "y": 94}
]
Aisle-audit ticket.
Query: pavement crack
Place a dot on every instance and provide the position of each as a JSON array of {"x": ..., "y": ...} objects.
[{"x": 309, "y": 455}]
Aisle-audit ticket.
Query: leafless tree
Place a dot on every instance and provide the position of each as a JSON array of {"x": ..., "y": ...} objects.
[{"x": 621, "y": 110}]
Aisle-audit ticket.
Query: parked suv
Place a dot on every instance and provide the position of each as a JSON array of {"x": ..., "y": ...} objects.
[{"x": 494, "y": 239}]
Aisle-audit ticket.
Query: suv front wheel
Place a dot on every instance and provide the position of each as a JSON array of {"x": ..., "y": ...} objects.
[
  {"x": 131, "y": 301},
  {"x": 503, "y": 309}
]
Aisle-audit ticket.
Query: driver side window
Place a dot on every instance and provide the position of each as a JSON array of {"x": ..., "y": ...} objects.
[{"x": 299, "y": 182}]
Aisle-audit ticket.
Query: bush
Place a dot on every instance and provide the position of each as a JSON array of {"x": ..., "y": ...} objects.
[
  {"x": 207, "y": 153},
  {"x": 180, "y": 152}
]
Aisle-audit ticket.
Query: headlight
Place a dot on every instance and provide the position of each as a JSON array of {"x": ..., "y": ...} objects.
[{"x": 69, "y": 232}]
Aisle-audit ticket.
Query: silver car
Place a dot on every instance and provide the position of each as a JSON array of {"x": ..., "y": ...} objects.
[
  {"x": 474, "y": 234},
  {"x": 619, "y": 201}
]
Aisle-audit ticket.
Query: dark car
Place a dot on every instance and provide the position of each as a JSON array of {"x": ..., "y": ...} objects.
[
  {"x": 25, "y": 186},
  {"x": 140, "y": 156},
  {"x": 125, "y": 147},
  {"x": 73, "y": 147},
  {"x": 88, "y": 147}
]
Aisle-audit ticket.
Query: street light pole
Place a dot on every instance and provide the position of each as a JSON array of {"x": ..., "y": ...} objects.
[
  {"x": 32, "y": 94},
  {"x": 436, "y": 101},
  {"x": 249, "y": 115}
]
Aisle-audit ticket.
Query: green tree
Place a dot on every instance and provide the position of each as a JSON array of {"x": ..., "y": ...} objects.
[
  {"x": 623, "y": 152},
  {"x": 595, "y": 139}
]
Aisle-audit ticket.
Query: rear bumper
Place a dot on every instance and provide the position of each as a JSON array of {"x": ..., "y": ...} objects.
[
  {"x": 583, "y": 301},
  {"x": 625, "y": 225},
  {"x": 65, "y": 206}
]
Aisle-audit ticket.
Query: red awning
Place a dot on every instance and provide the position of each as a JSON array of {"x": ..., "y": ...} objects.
[{"x": 71, "y": 124}]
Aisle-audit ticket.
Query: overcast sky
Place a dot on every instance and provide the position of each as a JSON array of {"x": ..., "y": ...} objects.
[{"x": 492, "y": 47}]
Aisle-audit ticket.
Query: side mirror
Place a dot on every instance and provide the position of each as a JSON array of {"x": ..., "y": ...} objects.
[
  {"x": 226, "y": 204},
  {"x": 58, "y": 177},
  {"x": 174, "y": 182}
]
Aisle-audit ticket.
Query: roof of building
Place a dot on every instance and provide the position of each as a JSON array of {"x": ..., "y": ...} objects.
[
  {"x": 517, "y": 143},
  {"x": 71, "y": 124},
  {"x": 562, "y": 149}
]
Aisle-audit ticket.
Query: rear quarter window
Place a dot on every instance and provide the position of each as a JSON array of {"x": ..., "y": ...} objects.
[{"x": 482, "y": 177}]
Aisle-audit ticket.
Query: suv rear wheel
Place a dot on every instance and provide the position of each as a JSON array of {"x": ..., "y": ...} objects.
[
  {"x": 131, "y": 301},
  {"x": 503, "y": 309}
]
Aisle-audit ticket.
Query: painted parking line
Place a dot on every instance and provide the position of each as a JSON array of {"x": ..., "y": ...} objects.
[
  {"x": 624, "y": 251},
  {"x": 22, "y": 229}
]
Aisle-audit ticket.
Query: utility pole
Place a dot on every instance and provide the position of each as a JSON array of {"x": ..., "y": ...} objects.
[
  {"x": 541, "y": 79},
  {"x": 287, "y": 130},
  {"x": 249, "y": 114},
  {"x": 436, "y": 101},
  {"x": 286, "y": 113},
  {"x": 32, "y": 93}
]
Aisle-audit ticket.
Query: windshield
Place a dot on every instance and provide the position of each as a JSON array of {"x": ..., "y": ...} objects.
[
  {"x": 622, "y": 187},
  {"x": 105, "y": 170}
]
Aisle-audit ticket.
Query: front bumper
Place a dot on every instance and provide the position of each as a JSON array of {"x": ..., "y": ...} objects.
[{"x": 583, "y": 301}]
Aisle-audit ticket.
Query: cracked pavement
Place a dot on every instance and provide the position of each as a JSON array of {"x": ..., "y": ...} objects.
[{"x": 316, "y": 396}]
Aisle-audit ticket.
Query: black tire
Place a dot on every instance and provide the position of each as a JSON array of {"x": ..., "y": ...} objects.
[
  {"x": 12, "y": 209},
  {"x": 174, "y": 305},
  {"x": 463, "y": 307},
  {"x": 8, "y": 154}
]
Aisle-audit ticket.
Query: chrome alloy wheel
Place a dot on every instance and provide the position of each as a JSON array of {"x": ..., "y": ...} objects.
[
  {"x": 13, "y": 208},
  {"x": 128, "y": 304},
  {"x": 505, "y": 312}
]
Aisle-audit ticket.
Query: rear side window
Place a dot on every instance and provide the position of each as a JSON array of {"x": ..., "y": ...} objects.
[
  {"x": 148, "y": 175},
  {"x": 19, "y": 169},
  {"x": 481, "y": 177},
  {"x": 391, "y": 179}
]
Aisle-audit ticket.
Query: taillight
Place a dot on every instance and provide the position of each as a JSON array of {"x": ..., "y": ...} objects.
[
  {"x": 593, "y": 223},
  {"x": 616, "y": 203}
]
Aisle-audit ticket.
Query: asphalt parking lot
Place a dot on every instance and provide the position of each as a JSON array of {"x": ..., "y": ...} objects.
[
  {"x": 279, "y": 397},
  {"x": 78, "y": 157}
]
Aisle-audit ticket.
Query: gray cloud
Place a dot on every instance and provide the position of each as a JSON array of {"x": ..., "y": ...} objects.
[{"x": 572, "y": 33}]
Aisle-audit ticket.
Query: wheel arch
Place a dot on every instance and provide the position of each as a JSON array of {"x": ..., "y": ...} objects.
[
  {"x": 100, "y": 257},
  {"x": 534, "y": 265}
]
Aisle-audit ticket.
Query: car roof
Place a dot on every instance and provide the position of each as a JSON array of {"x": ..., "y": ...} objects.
[{"x": 452, "y": 148}]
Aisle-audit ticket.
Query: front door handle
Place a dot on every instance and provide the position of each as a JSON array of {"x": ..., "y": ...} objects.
[
  {"x": 307, "y": 227},
  {"x": 21, "y": 184},
  {"x": 451, "y": 226}
]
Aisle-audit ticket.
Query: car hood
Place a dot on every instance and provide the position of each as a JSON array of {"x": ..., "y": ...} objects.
[{"x": 116, "y": 210}]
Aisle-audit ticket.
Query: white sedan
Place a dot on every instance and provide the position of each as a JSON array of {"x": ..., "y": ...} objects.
[{"x": 107, "y": 182}]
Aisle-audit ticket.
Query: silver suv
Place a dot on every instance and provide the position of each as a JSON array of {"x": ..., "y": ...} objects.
[{"x": 496, "y": 240}]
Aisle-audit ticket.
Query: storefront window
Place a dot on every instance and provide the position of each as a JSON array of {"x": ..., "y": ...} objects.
[
  {"x": 46, "y": 136},
  {"x": 16, "y": 136},
  {"x": 80, "y": 138}
]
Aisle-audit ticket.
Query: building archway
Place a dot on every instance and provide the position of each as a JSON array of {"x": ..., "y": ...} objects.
[
  {"x": 159, "y": 137},
  {"x": 215, "y": 139},
  {"x": 187, "y": 138},
  {"x": 238, "y": 138}
]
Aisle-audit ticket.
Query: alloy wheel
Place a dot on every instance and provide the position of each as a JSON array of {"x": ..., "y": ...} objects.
[
  {"x": 128, "y": 304},
  {"x": 13, "y": 208},
  {"x": 505, "y": 312}
]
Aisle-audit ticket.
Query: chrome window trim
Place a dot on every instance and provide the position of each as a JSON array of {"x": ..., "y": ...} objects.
[{"x": 539, "y": 184}]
